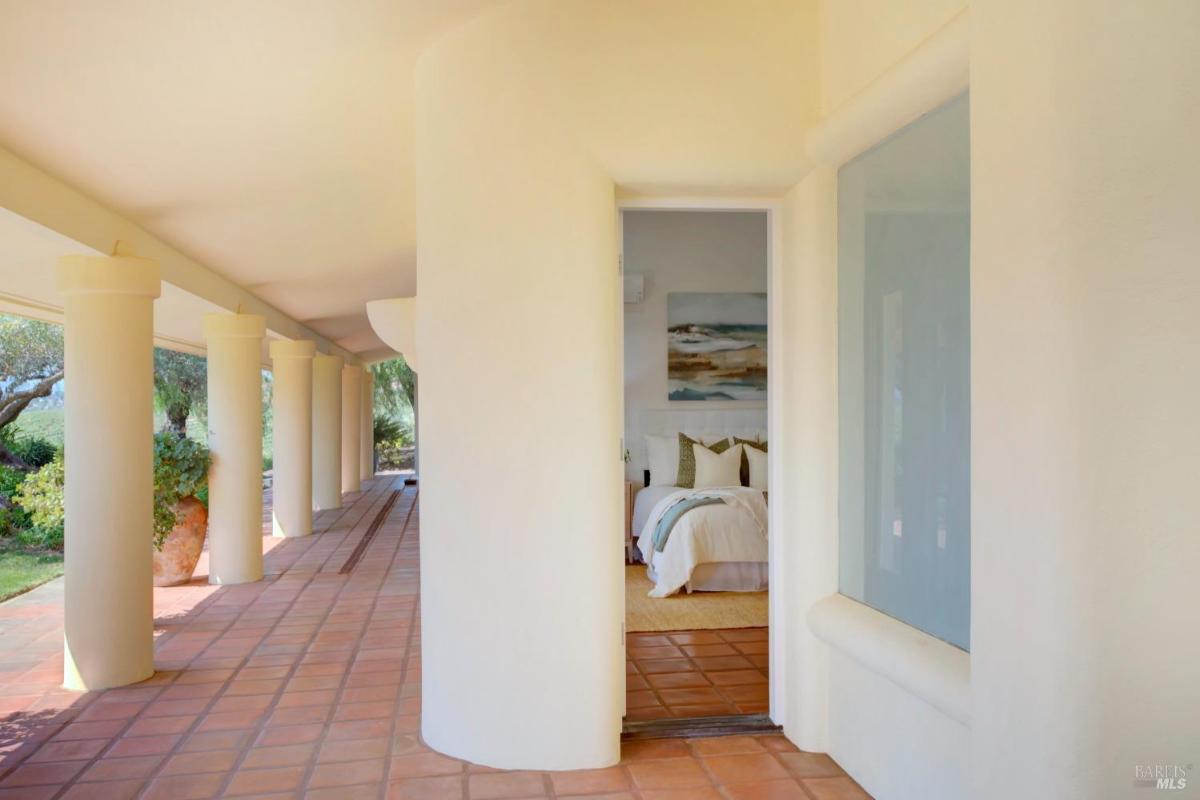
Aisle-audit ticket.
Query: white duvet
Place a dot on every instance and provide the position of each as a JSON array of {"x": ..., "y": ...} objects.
[{"x": 735, "y": 530}]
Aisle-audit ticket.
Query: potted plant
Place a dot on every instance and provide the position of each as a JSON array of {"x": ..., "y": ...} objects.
[{"x": 180, "y": 507}]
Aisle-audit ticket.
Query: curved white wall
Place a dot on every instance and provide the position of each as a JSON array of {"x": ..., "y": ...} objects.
[{"x": 520, "y": 416}]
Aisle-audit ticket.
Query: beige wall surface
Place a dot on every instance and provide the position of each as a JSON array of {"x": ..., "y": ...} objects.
[{"x": 1085, "y": 436}]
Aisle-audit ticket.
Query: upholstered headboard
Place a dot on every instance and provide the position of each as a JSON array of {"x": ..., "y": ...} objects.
[{"x": 695, "y": 421}]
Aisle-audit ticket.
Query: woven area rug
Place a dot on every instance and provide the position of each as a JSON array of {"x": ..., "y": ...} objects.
[{"x": 689, "y": 612}]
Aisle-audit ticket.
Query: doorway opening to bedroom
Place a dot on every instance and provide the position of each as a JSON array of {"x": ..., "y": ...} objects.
[{"x": 696, "y": 385}]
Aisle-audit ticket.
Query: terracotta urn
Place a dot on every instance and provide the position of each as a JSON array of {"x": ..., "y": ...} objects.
[{"x": 176, "y": 562}]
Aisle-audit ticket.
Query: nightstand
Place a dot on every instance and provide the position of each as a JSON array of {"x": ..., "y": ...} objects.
[{"x": 631, "y": 490}]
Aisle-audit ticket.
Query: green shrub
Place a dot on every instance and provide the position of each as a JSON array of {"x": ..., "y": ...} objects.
[
  {"x": 180, "y": 470},
  {"x": 392, "y": 440},
  {"x": 10, "y": 480},
  {"x": 39, "y": 538},
  {"x": 391, "y": 431},
  {"x": 12, "y": 517},
  {"x": 41, "y": 497},
  {"x": 35, "y": 451}
]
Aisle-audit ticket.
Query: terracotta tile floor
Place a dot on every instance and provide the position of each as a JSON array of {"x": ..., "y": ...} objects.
[
  {"x": 696, "y": 673},
  {"x": 307, "y": 684}
]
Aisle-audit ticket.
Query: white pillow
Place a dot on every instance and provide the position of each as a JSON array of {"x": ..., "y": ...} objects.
[
  {"x": 662, "y": 456},
  {"x": 717, "y": 469},
  {"x": 758, "y": 468}
]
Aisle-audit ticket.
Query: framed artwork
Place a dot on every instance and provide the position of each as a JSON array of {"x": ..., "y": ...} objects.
[{"x": 717, "y": 346}]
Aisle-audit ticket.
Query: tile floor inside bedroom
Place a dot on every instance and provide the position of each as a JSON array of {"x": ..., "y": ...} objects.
[
  {"x": 700, "y": 673},
  {"x": 307, "y": 684}
]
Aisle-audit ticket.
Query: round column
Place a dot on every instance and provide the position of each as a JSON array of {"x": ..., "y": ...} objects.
[
  {"x": 367, "y": 441},
  {"x": 327, "y": 432},
  {"x": 109, "y": 347},
  {"x": 235, "y": 439},
  {"x": 351, "y": 427},
  {"x": 291, "y": 404}
]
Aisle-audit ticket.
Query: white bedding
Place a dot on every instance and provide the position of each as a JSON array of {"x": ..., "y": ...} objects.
[
  {"x": 645, "y": 501},
  {"x": 732, "y": 531}
]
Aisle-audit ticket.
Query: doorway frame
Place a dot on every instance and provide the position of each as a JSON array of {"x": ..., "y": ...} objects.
[{"x": 776, "y": 361}]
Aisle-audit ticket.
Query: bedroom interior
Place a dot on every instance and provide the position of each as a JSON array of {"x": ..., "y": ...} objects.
[{"x": 695, "y": 391}]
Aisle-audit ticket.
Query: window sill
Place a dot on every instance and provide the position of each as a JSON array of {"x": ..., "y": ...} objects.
[{"x": 936, "y": 672}]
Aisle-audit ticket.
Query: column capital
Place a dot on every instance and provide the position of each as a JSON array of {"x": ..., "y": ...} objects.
[
  {"x": 236, "y": 326},
  {"x": 123, "y": 274},
  {"x": 328, "y": 360},
  {"x": 293, "y": 348},
  {"x": 352, "y": 368}
]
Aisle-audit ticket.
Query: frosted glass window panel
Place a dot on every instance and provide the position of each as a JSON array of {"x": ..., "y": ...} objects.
[{"x": 904, "y": 375}]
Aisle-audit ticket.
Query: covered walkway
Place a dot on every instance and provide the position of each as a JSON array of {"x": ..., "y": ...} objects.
[{"x": 307, "y": 683}]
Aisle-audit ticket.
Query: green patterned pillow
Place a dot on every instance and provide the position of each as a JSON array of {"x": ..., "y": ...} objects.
[{"x": 686, "y": 476}]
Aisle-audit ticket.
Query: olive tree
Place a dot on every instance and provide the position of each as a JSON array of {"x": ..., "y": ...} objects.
[
  {"x": 180, "y": 387},
  {"x": 395, "y": 386},
  {"x": 31, "y": 362}
]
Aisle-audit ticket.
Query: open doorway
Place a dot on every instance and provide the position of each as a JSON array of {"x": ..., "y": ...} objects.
[{"x": 696, "y": 387}]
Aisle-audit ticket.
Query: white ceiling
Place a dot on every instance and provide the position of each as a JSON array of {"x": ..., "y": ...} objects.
[
  {"x": 272, "y": 140},
  {"x": 269, "y": 139}
]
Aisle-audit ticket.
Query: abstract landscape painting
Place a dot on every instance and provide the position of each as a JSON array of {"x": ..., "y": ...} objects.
[{"x": 716, "y": 346}]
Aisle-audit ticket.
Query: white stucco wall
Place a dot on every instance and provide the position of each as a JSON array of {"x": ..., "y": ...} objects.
[
  {"x": 1084, "y": 432},
  {"x": 832, "y": 702},
  {"x": 520, "y": 417},
  {"x": 1086, "y": 437},
  {"x": 895, "y": 744},
  {"x": 806, "y": 451}
]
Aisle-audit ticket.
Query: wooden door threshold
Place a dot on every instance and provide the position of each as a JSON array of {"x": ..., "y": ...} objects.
[{"x": 699, "y": 727}]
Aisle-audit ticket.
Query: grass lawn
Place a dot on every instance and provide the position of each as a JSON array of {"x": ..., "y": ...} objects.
[
  {"x": 22, "y": 570},
  {"x": 48, "y": 424},
  {"x": 44, "y": 422}
]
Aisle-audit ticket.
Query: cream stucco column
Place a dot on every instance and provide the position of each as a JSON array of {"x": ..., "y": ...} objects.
[
  {"x": 504, "y": 276},
  {"x": 351, "y": 426},
  {"x": 367, "y": 424},
  {"x": 292, "y": 437},
  {"x": 108, "y": 606},
  {"x": 235, "y": 439},
  {"x": 327, "y": 432}
]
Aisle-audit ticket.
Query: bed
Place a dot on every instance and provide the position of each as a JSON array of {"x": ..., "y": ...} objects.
[{"x": 719, "y": 547}]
